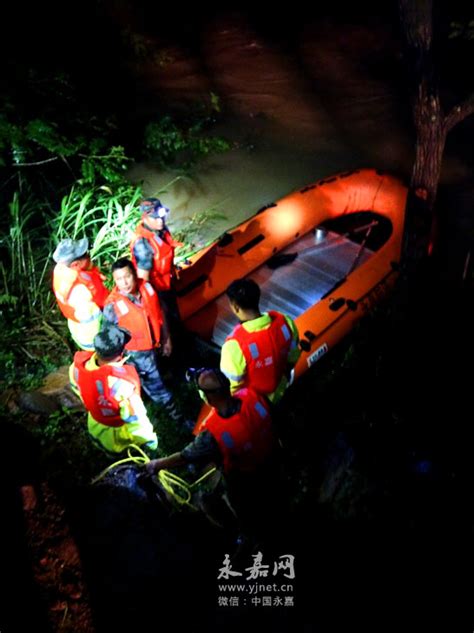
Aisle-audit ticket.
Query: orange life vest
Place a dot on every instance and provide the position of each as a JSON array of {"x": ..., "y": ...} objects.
[
  {"x": 94, "y": 389},
  {"x": 143, "y": 322},
  {"x": 65, "y": 279},
  {"x": 163, "y": 255},
  {"x": 246, "y": 439},
  {"x": 265, "y": 352}
]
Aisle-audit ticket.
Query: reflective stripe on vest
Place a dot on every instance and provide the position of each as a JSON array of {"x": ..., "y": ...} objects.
[
  {"x": 143, "y": 321},
  {"x": 65, "y": 279},
  {"x": 245, "y": 439},
  {"x": 265, "y": 352},
  {"x": 98, "y": 398}
]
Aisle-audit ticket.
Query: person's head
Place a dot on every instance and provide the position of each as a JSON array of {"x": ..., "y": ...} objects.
[
  {"x": 110, "y": 342},
  {"x": 73, "y": 253},
  {"x": 212, "y": 384},
  {"x": 244, "y": 296},
  {"x": 125, "y": 275},
  {"x": 154, "y": 213}
]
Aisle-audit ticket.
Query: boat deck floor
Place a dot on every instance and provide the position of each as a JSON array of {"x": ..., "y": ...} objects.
[{"x": 294, "y": 287}]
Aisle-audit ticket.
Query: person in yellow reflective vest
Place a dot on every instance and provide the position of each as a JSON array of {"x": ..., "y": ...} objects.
[
  {"x": 110, "y": 391},
  {"x": 262, "y": 350},
  {"x": 79, "y": 290}
]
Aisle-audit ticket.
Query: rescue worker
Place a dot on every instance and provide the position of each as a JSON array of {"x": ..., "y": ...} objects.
[
  {"x": 238, "y": 437},
  {"x": 152, "y": 249},
  {"x": 133, "y": 304},
  {"x": 79, "y": 290},
  {"x": 262, "y": 350},
  {"x": 110, "y": 391}
]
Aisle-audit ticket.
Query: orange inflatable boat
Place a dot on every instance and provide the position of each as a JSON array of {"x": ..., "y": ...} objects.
[{"x": 323, "y": 255}]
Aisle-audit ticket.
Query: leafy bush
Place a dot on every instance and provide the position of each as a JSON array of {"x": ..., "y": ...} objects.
[
  {"x": 192, "y": 233},
  {"x": 170, "y": 143}
]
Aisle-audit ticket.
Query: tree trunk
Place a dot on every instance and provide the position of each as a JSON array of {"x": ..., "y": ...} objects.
[
  {"x": 431, "y": 125},
  {"x": 416, "y": 19},
  {"x": 420, "y": 219}
]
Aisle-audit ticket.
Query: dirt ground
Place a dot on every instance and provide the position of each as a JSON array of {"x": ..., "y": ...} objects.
[{"x": 57, "y": 565}]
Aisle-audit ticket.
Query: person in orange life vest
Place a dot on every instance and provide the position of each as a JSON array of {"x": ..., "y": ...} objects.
[
  {"x": 133, "y": 304},
  {"x": 237, "y": 436},
  {"x": 79, "y": 290},
  {"x": 262, "y": 350},
  {"x": 110, "y": 391},
  {"x": 152, "y": 249}
]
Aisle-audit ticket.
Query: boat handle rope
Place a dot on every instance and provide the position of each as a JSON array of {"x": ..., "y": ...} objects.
[{"x": 361, "y": 248}]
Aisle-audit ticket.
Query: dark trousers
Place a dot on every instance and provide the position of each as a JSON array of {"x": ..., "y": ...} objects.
[
  {"x": 147, "y": 368},
  {"x": 180, "y": 338}
]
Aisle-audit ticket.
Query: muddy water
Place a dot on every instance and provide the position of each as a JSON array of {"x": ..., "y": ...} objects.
[
  {"x": 286, "y": 132},
  {"x": 329, "y": 99},
  {"x": 332, "y": 99}
]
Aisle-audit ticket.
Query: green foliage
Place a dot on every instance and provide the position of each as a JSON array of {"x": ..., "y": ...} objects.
[
  {"x": 106, "y": 216},
  {"x": 24, "y": 267},
  {"x": 47, "y": 136},
  {"x": 108, "y": 167},
  {"x": 53, "y": 430},
  {"x": 63, "y": 175},
  {"x": 52, "y": 126},
  {"x": 215, "y": 102},
  {"x": 163, "y": 140},
  {"x": 9, "y": 370},
  {"x": 462, "y": 30},
  {"x": 69, "y": 456},
  {"x": 142, "y": 49},
  {"x": 192, "y": 232},
  {"x": 170, "y": 143},
  {"x": 25, "y": 363}
]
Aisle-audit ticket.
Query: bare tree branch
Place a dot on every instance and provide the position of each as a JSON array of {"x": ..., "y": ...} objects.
[
  {"x": 40, "y": 162},
  {"x": 65, "y": 161},
  {"x": 459, "y": 112}
]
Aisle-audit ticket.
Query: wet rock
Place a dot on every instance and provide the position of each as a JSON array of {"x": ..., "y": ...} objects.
[
  {"x": 56, "y": 386},
  {"x": 56, "y": 381},
  {"x": 37, "y": 402}
]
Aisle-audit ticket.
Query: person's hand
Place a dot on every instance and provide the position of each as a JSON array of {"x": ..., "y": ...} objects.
[{"x": 153, "y": 466}]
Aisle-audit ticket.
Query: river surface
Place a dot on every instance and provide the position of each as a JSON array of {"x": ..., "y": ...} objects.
[{"x": 330, "y": 97}]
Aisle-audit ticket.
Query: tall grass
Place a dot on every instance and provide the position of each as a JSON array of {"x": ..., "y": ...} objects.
[
  {"x": 32, "y": 326},
  {"x": 106, "y": 218},
  {"x": 24, "y": 270}
]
